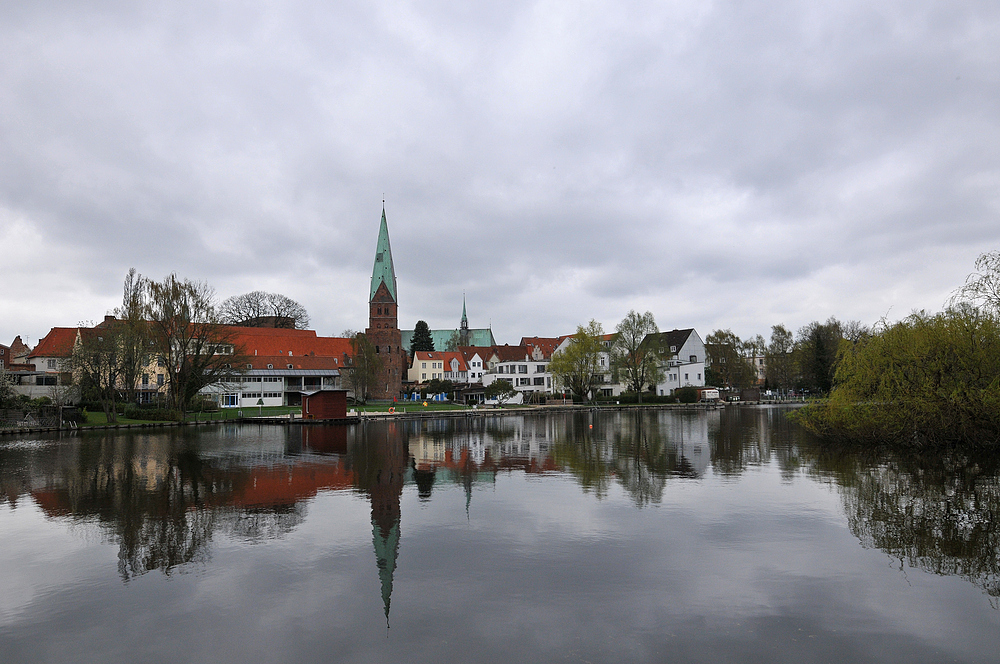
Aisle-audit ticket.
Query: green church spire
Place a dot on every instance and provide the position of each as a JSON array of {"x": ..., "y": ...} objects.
[
  {"x": 465, "y": 319},
  {"x": 383, "y": 272}
]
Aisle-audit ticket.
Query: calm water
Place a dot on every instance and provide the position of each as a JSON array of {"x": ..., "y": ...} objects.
[{"x": 670, "y": 536}]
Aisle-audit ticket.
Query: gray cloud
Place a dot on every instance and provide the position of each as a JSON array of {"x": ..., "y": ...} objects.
[{"x": 723, "y": 164}]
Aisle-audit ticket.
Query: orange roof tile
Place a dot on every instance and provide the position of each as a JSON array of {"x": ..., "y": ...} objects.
[{"x": 57, "y": 343}]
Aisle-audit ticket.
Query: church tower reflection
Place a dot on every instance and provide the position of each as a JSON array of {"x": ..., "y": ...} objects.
[{"x": 380, "y": 471}]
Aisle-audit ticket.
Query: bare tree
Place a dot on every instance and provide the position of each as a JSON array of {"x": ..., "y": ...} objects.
[
  {"x": 982, "y": 287},
  {"x": 363, "y": 367},
  {"x": 133, "y": 335},
  {"x": 195, "y": 349},
  {"x": 260, "y": 309}
]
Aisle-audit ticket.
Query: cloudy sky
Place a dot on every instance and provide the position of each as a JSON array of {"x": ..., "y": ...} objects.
[{"x": 721, "y": 164}]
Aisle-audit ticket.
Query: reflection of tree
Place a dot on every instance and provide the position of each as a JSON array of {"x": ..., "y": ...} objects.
[
  {"x": 156, "y": 497},
  {"x": 630, "y": 447},
  {"x": 938, "y": 514}
]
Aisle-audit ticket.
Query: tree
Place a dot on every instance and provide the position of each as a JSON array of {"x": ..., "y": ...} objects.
[
  {"x": 501, "y": 390},
  {"x": 728, "y": 363},
  {"x": 362, "y": 367},
  {"x": 577, "y": 366},
  {"x": 816, "y": 349},
  {"x": 778, "y": 361},
  {"x": 132, "y": 333},
  {"x": 636, "y": 351},
  {"x": 195, "y": 349},
  {"x": 7, "y": 394},
  {"x": 260, "y": 309},
  {"x": 421, "y": 339},
  {"x": 440, "y": 386},
  {"x": 926, "y": 380},
  {"x": 982, "y": 287},
  {"x": 97, "y": 362}
]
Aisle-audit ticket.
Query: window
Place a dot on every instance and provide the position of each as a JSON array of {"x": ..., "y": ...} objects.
[
  {"x": 145, "y": 379},
  {"x": 673, "y": 349},
  {"x": 699, "y": 376},
  {"x": 290, "y": 366},
  {"x": 423, "y": 376},
  {"x": 159, "y": 379},
  {"x": 539, "y": 380},
  {"x": 423, "y": 365},
  {"x": 685, "y": 376},
  {"x": 270, "y": 366},
  {"x": 249, "y": 366},
  {"x": 523, "y": 381},
  {"x": 522, "y": 368},
  {"x": 694, "y": 358},
  {"x": 229, "y": 400},
  {"x": 51, "y": 364}
]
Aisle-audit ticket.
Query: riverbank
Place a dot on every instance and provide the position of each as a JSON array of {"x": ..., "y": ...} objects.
[{"x": 418, "y": 413}]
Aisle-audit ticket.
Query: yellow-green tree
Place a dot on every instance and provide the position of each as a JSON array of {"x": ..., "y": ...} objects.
[{"x": 577, "y": 366}]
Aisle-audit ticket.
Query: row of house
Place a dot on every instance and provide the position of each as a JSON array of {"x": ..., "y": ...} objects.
[
  {"x": 526, "y": 366},
  {"x": 279, "y": 366}
]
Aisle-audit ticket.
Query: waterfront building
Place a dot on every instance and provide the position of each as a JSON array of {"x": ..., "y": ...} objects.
[{"x": 383, "y": 328}]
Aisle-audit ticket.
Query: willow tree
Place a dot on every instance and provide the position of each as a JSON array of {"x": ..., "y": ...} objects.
[
  {"x": 187, "y": 338},
  {"x": 926, "y": 380}
]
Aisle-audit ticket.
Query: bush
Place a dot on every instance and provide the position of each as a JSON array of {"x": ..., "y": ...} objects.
[
  {"x": 153, "y": 414},
  {"x": 686, "y": 395}
]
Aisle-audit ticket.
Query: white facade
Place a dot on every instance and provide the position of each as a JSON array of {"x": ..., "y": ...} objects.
[{"x": 525, "y": 375}]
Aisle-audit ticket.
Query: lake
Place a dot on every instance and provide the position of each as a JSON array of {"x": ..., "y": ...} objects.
[{"x": 670, "y": 535}]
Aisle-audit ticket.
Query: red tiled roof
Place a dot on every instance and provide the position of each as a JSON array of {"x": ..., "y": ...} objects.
[
  {"x": 57, "y": 343},
  {"x": 444, "y": 356},
  {"x": 545, "y": 344},
  {"x": 274, "y": 342},
  {"x": 297, "y": 362}
]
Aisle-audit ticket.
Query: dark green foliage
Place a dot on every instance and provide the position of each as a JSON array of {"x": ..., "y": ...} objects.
[
  {"x": 437, "y": 386},
  {"x": 421, "y": 339},
  {"x": 816, "y": 355},
  {"x": 927, "y": 380},
  {"x": 501, "y": 390},
  {"x": 152, "y": 414},
  {"x": 686, "y": 395}
]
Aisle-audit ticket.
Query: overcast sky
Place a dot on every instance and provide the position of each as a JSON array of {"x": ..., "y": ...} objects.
[{"x": 721, "y": 164}]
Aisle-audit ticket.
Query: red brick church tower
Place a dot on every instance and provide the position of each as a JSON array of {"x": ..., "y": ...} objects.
[{"x": 383, "y": 328}]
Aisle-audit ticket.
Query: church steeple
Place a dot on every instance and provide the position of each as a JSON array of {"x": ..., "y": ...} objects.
[
  {"x": 383, "y": 271},
  {"x": 465, "y": 318}
]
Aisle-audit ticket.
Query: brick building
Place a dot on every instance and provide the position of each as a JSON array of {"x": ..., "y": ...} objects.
[{"x": 383, "y": 327}]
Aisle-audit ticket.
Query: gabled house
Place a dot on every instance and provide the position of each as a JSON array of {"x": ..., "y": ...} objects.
[
  {"x": 683, "y": 361},
  {"x": 431, "y": 364}
]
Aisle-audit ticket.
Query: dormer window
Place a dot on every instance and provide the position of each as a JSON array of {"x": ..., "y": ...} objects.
[
  {"x": 290, "y": 366},
  {"x": 270, "y": 366},
  {"x": 249, "y": 366}
]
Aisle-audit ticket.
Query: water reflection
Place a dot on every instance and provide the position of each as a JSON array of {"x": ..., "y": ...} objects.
[
  {"x": 939, "y": 514},
  {"x": 163, "y": 497}
]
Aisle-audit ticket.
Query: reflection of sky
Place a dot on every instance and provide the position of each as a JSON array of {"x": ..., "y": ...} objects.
[{"x": 747, "y": 567}]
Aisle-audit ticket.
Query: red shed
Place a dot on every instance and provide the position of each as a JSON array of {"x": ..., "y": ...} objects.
[{"x": 324, "y": 405}]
